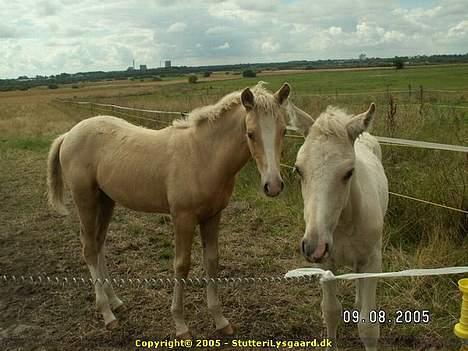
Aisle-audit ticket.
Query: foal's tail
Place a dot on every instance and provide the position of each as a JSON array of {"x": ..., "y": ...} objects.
[{"x": 54, "y": 177}]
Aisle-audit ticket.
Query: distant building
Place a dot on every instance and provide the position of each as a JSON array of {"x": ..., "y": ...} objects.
[
  {"x": 143, "y": 68},
  {"x": 167, "y": 63},
  {"x": 129, "y": 69},
  {"x": 362, "y": 57}
]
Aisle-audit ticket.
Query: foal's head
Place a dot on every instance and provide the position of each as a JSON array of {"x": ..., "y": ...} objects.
[
  {"x": 265, "y": 129},
  {"x": 325, "y": 165}
]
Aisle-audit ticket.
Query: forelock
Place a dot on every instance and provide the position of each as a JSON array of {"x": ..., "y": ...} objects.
[{"x": 332, "y": 122}]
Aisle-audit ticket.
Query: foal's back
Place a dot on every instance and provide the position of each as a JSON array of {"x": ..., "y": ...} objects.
[{"x": 120, "y": 159}]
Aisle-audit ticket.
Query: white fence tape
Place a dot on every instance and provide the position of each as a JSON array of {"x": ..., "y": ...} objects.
[
  {"x": 422, "y": 144},
  {"x": 301, "y": 275},
  {"x": 415, "y": 92},
  {"x": 327, "y": 275},
  {"x": 124, "y": 107},
  {"x": 412, "y": 143},
  {"x": 394, "y": 141}
]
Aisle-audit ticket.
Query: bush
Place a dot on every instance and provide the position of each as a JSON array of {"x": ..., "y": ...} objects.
[
  {"x": 52, "y": 86},
  {"x": 249, "y": 74},
  {"x": 206, "y": 74},
  {"x": 74, "y": 86},
  {"x": 192, "y": 78},
  {"x": 398, "y": 62}
]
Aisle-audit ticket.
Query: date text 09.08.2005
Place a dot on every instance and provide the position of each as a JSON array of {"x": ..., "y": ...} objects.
[{"x": 383, "y": 317}]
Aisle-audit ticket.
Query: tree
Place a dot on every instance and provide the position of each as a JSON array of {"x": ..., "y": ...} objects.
[
  {"x": 398, "y": 62},
  {"x": 249, "y": 73},
  {"x": 192, "y": 78},
  {"x": 206, "y": 74}
]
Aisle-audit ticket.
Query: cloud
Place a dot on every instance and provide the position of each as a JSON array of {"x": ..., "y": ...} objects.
[
  {"x": 335, "y": 31},
  {"x": 7, "y": 31},
  {"x": 217, "y": 30},
  {"x": 270, "y": 46},
  {"x": 223, "y": 46},
  {"x": 176, "y": 27},
  {"x": 459, "y": 31},
  {"x": 53, "y": 36},
  {"x": 47, "y": 7}
]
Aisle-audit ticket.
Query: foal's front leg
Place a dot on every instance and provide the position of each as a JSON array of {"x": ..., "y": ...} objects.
[
  {"x": 184, "y": 227},
  {"x": 209, "y": 234},
  {"x": 331, "y": 309},
  {"x": 369, "y": 332}
]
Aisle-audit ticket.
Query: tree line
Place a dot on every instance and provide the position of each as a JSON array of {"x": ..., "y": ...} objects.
[{"x": 53, "y": 81}]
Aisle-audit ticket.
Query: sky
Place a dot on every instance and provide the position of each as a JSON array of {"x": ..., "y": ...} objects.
[{"x": 44, "y": 37}]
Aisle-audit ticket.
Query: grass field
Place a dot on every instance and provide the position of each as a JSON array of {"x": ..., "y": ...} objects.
[{"x": 259, "y": 236}]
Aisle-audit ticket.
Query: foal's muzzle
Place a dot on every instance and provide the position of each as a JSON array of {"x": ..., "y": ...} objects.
[
  {"x": 313, "y": 252},
  {"x": 273, "y": 187},
  {"x": 273, "y": 190}
]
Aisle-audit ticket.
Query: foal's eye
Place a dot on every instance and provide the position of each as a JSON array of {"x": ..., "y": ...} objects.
[
  {"x": 251, "y": 135},
  {"x": 349, "y": 174}
]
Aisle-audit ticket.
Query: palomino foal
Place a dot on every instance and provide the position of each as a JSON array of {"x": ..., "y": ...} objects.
[
  {"x": 345, "y": 194},
  {"x": 187, "y": 170}
]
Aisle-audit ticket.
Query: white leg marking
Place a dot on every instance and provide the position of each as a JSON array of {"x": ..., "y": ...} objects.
[
  {"x": 102, "y": 302},
  {"x": 114, "y": 301},
  {"x": 331, "y": 309},
  {"x": 211, "y": 266},
  {"x": 369, "y": 332}
]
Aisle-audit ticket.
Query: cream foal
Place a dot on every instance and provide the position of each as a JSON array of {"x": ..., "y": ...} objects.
[
  {"x": 187, "y": 170},
  {"x": 345, "y": 194}
]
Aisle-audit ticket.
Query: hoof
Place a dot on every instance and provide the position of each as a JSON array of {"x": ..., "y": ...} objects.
[
  {"x": 184, "y": 336},
  {"x": 112, "y": 325},
  {"x": 228, "y": 330}
]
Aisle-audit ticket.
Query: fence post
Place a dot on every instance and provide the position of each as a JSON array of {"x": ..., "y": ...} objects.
[
  {"x": 461, "y": 328},
  {"x": 421, "y": 99}
]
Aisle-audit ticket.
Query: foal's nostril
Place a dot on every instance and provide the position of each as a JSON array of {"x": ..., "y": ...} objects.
[
  {"x": 282, "y": 185},
  {"x": 303, "y": 247},
  {"x": 266, "y": 188}
]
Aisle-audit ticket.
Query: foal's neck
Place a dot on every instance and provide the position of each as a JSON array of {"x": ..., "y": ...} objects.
[
  {"x": 224, "y": 140},
  {"x": 352, "y": 207}
]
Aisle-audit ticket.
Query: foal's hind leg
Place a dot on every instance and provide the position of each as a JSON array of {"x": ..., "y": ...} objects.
[
  {"x": 87, "y": 202},
  {"x": 106, "y": 207},
  {"x": 209, "y": 234}
]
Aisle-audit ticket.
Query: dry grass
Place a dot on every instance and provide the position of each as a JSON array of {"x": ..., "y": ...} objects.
[{"x": 258, "y": 237}]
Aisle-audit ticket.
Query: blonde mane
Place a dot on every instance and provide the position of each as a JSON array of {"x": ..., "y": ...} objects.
[
  {"x": 263, "y": 101},
  {"x": 333, "y": 122}
]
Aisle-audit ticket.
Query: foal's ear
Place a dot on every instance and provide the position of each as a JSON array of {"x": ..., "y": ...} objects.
[
  {"x": 360, "y": 123},
  {"x": 300, "y": 119},
  {"x": 282, "y": 94},
  {"x": 247, "y": 99}
]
